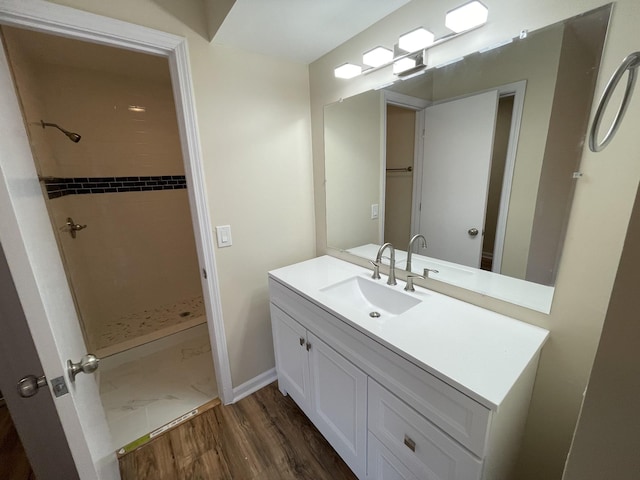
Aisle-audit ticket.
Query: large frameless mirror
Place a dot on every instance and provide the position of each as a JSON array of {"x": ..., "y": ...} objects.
[{"x": 480, "y": 156}]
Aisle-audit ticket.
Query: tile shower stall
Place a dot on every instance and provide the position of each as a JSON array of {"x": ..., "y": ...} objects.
[{"x": 118, "y": 204}]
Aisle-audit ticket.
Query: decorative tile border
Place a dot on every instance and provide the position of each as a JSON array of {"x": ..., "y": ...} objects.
[{"x": 59, "y": 187}]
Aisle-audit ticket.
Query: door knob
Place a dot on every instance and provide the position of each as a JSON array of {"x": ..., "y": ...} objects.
[
  {"x": 472, "y": 232},
  {"x": 28, "y": 386},
  {"x": 87, "y": 364}
]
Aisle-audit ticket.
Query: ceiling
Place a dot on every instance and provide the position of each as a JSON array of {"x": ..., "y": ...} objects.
[{"x": 299, "y": 30}]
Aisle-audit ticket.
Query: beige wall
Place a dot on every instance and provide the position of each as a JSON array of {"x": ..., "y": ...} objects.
[
  {"x": 599, "y": 215},
  {"x": 353, "y": 171},
  {"x": 606, "y": 442},
  {"x": 253, "y": 119}
]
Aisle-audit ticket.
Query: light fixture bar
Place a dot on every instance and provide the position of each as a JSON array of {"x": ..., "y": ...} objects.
[
  {"x": 461, "y": 20},
  {"x": 467, "y": 16},
  {"x": 409, "y": 54}
]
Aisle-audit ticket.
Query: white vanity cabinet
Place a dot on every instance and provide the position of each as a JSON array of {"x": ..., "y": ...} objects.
[
  {"x": 329, "y": 389},
  {"x": 373, "y": 392}
]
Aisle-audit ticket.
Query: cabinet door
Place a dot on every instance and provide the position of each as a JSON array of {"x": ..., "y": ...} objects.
[
  {"x": 292, "y": 361},
  {"x": 339, "y": 403},
  {"x": 383, "y": 465}
]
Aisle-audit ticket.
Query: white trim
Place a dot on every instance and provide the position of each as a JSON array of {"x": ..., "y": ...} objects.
[
  {"x": 517, "y": 89},
  {"x": 194, "y": 170},
  {"x": 407, "y": 101},
  {"x": 382, "y": 202},
  {"x": 51, "y": 18},
  {"x": 255, "y": 384},
  {"x": 418, "y": 163}
]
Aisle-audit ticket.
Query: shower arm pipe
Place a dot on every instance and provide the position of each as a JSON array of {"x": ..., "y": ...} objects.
[{"x": 74, "y": 137}]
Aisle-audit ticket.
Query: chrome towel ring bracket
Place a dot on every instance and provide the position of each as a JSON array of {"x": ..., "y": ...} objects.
[{"x": 630, "y": 64}]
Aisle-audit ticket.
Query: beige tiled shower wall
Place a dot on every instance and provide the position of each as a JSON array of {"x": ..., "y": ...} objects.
[{"x": 136, "y": 253}]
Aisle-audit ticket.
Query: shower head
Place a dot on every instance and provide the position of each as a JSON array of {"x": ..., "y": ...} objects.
[{"x": 74, "y": 137}]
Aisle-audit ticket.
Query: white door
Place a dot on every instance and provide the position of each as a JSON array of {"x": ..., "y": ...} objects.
[
  {"x": 49, "y": 455},
  {"x": 458, "y": 142},
  {"x": 38, "y": 275}
]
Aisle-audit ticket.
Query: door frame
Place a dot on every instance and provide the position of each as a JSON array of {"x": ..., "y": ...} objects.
[
  {"x": 410, "y": 103},
  {"x": 29, "y": 248},
  {"x": 518, "y": 90}
]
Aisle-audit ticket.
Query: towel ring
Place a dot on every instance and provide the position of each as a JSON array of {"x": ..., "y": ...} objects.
[{"x": 630, "y": 64}]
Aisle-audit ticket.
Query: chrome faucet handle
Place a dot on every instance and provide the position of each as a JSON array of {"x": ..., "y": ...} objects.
[
  {"x": 376, "y": 270},
  {"x": 409, "y": 286},
  {"x": 426, "y": 272}
]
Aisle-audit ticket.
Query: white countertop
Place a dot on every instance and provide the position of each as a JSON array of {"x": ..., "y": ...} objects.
[
  {"x": 477, "y": 351},
  {"x": 513, "y": 290}
]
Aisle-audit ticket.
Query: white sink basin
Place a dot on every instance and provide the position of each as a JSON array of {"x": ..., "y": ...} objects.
[{"x": 370, "y": 296}]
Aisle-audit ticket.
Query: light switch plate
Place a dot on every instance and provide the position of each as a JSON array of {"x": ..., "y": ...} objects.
[
  {"x": 374, "y": 211},
  {"x": 223, "y": 233}
]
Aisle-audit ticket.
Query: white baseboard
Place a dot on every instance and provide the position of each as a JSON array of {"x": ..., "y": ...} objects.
[{"x": 255, "y": 384}]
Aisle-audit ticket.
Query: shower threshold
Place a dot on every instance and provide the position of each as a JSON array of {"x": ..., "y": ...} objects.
[{"x": 133, "y": 330}]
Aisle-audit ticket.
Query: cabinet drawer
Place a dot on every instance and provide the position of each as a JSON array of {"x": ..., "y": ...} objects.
[
  {"x": 427, "y": 452},
  {"x": 383, "y": 465}
]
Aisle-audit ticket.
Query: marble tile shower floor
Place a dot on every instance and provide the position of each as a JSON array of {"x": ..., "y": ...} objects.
[
  {"x": 134, "y": 329},
  {"x": 142, "y": 395}
]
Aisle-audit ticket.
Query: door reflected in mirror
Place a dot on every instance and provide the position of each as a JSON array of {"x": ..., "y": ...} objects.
[{"x": 478, "y": 156}]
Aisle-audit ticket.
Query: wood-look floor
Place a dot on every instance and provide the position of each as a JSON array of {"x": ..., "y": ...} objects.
[
  {"x": 264, "y": 436},
  {"x": 14, "y": 464}
]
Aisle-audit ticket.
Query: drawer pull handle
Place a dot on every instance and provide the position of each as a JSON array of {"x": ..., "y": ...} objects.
[
  {"x": 410, "y": 443},
  {"x": 301, "y": 341}
]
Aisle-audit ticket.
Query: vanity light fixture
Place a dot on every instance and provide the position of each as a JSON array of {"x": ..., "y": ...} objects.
[
  {"x": 415, "y": 40},
  {"x": 377, "y": 57},
  {"x": 347, "y": 71},
  {"x": 467, "y": 16},
  {"x": 414, "y": 43}
]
